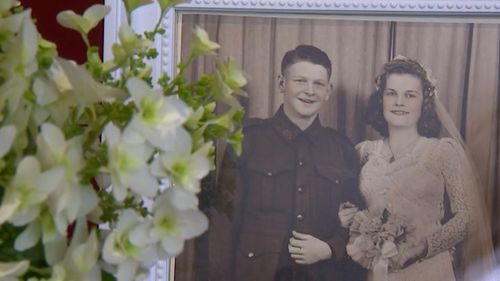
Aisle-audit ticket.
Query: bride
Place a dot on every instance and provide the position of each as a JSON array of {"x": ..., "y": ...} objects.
[{"x": 429, "y": 181}]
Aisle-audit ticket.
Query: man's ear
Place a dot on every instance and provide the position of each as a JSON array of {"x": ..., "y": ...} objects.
[
  {"x": 329, "y": 91},
  {"x": 281, "y": 83}
]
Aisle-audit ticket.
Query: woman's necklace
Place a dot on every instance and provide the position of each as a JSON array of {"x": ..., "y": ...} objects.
[{"x": 393, "y": 155}]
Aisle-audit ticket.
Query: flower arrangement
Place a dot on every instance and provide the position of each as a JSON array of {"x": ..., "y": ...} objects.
[
  {"x": 100, "y": 166},
  {"x": 374, "y": 239}
]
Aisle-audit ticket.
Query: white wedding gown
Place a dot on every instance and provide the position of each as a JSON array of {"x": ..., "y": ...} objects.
[{"x": 414, "y": 186}]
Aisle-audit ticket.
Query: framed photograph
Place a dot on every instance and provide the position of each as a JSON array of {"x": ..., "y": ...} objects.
[{"x": 457, "y": 43}]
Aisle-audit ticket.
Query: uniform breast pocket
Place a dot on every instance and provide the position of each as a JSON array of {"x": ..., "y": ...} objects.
[
  {"x": 257, "y": 257},
  {"x": 267, "y": 183},
  {"x": 333, "y": 181}
]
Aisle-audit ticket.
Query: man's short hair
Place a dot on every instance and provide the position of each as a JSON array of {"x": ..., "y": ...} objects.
[{"x": 306, "y": 53}]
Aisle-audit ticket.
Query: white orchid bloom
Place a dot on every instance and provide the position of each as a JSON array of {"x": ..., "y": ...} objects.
[
  {"x": 119, "y": 250},
  {"x": 130, "y": 43},
  {"x": 53, "y": 241},
  {"x": 53, "y": 149},
  {"x": 7, "y": 135},
  {"x": 127, "y": 165},
  {"x": 54, "y": 96},
  {"x": 86, "y": 22},
  {"x": 86, "y": 88},
  {"x": 182, "y": 167},
  {"x": 28, "y": 46},
  {"x": 27, "y": 191},
  {"x": 45, "y": 92},
  {"x": 6, "y": 5},
  {"x": 20, "y": 54},
  {"x": 231, "y": 74},
  {"x": 72, "y": 200},
  {"x": 201, "y": 44},
  {"x": 80, "y": 261},
  {"x": 182, "y": 199},
  {"x": 13, "y": 22},
  {"x": 172, "y": 226},
  {"x": 160, "y": 118}
]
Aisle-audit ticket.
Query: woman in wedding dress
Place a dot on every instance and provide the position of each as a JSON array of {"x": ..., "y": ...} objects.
[{"x": 411, "y": 173}]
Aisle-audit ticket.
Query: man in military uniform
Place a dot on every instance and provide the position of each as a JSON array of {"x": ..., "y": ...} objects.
[{"x": 288, "y": 183}]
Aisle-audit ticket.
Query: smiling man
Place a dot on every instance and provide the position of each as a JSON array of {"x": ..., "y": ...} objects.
[{"x": 288, "y": 183}]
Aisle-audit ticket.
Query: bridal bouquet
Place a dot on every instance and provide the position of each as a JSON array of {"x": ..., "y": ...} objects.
[
  {"x": 100, "y": 166},
  {"x": 373, "y": 239}
]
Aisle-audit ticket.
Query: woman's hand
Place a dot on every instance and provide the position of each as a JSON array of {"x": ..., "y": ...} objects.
[
  {"x": 347, "y": 210},
  {"x": 408, "y": 253},
  {"x": 307, "y": 249}
]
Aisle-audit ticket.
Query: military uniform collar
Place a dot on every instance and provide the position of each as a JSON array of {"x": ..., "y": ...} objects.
[{"x": 286, "y": 128}]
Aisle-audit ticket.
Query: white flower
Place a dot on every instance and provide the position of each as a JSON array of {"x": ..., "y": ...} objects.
[
  {"x": 6, "y": 5},
  {"x": 18, "y": 60},
  {"x": 53, "y": 241},
  {"x": 127, "y": 155},
  {"x": 118, "y": 249},
  {"x": 172, "y": 226},
  {"x": 231, "y": 74},
  {"x": 80, "y": 261},
  {"x": 83, "y": 24},
  {"x": 27, "y": 191},
  {"x": 201, "y": 44},
  {"x": 10, "y": 271},
  {"x": 182, "y": 199},
  {"x": 183, "y": 168},
  {"x": 130, "y": 43},
  {"x": 7, "y": 135},
  {"x": 160, "y": 118},
  {"x": 72, "y": 199},
  {"x": 29, "y": 45},
  {"x": 85, "y": 88}
]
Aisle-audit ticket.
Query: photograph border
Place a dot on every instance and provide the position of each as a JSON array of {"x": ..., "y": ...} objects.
[{"x": 146, "y": 17}]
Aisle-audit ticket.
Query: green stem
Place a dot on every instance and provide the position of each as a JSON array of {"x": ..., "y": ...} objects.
[
  {"x": 86, "y": 41},
  {"x": 155, "y": 30}
]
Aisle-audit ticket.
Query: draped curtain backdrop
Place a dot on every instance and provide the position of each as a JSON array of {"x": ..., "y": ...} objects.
[{"x": 463, "y": 57}]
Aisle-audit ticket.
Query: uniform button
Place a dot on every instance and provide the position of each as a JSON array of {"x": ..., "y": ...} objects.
[
  {"x": 269, "y": 173},
  {"x": 250, "y": 255},
  {"x": 337, "y": 181},
  {"x": 300, "y": 189},
  {"x": 301, "y": 163},
  {"x": 300, "y": 217}
]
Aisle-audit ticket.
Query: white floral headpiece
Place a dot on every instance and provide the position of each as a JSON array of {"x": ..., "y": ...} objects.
[{"x": 428, "y": 75}]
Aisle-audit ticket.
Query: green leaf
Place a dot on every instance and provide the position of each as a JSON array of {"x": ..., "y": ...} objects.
[
  {"x": 95, "y": 160},
  {"x": 215, "y": 131},
  {"x": 131, "y": 5},
  {"x": 235, "y": 140},
  {"x": 167, "y": 4}
]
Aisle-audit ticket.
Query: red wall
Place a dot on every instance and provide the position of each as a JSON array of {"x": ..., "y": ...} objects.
[{"x": 69, "y": 43}]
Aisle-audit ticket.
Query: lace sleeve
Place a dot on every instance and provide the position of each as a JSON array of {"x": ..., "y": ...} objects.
[
  {"x": 451, "y": 166},
  {"x": 363, "y": 149}
]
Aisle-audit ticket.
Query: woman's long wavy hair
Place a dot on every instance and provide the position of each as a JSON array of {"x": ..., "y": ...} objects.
[{"x": 428, "y": 124}]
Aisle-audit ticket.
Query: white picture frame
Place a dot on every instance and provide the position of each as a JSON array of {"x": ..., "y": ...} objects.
[{"x": 146, "y": 16}]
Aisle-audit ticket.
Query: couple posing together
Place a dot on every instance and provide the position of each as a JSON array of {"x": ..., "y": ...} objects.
[{"x": 309, "y": 206}]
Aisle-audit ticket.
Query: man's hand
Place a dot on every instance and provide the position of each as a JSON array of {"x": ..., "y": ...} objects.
[{"x": 307, "y": 249}]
